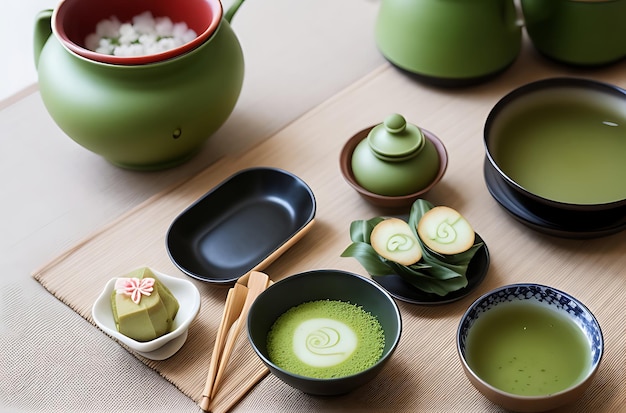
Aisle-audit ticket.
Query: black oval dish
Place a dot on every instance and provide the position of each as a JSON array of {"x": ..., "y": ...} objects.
[
  {"x": 403, "y": 291},
  {"x": 242, "y": 224}
]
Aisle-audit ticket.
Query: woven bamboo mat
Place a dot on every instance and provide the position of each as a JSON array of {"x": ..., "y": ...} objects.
[{"x": 424, "y": 374}]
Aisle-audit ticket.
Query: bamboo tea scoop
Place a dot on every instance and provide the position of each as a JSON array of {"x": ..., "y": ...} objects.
[
  {"x": 234, "y": 304},
  {"x": 257, "y": 283},
  {"x": 234, "y": 321}
]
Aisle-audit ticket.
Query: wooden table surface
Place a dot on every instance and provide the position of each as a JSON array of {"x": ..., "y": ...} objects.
[
  {"x": 424, "y": 374},
  {"x": 54, "y": 193}
]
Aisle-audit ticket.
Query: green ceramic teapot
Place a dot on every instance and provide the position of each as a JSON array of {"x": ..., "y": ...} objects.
[
  {"x": 450, "y": 42},
  {"x": 395, "y": 159},
  {"x": 577, "y": 32},
  {"x": 147, "y": 112}
]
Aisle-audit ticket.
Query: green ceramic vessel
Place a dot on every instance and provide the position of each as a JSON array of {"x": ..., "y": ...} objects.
[
  {"x": 577, "y": 32},
  {"x": 146, "y": 115},
  {"x": 395, "y": 159},
  {"x": 449, "y": 40}
]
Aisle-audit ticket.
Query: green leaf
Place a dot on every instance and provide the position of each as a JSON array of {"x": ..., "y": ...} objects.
[
  {"x": 456, "y": 259},
  {"x": 418, "y": 209},
  {"x": 433, "y": 286},
  {"x": 368, "y": 258},
  {"x": 360, "y": 230},
  {"x": 434, "y": 273},
  {"x": 428, "y": 281}
]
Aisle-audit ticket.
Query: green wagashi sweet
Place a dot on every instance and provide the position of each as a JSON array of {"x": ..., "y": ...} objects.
[{"x": 143, "y": 308}]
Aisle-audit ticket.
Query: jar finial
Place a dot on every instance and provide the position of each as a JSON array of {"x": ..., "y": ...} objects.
[{"x": 395, "y": 139}]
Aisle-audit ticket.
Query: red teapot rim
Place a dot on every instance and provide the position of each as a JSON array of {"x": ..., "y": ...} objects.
[{"x": 74, "y": 20}]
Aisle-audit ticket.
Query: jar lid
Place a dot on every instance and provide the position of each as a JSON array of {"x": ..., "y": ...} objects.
[{"x": 395, "y": 138}]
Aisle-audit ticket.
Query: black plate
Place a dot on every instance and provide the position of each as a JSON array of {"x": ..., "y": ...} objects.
[
  {"x": 550, "y": 220},
  {"x": 403, "y": 291},
  {"x": 240, "y": 225}
]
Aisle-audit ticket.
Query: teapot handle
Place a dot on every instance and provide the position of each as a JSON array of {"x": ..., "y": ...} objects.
[
  {"x": 43, "y": 30},
  {"x": 228, "y": 15}
]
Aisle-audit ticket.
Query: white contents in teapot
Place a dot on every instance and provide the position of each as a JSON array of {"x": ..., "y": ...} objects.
[{"x": 146, "y": 35}]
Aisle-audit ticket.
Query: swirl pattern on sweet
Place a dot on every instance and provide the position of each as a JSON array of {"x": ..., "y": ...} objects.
[
  {"x": 323, "y": 342},
  {"x": 400, "y": 242},
  {"x": 445, "y": 232}
]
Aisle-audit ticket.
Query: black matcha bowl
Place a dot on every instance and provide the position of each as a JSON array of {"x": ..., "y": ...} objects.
[
  {"x": 324, "y": 285},
  {"x": 542, "y": 212}
]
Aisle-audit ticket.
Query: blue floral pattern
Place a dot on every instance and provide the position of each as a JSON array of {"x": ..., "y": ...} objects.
[{"x": 548, "y": 295}]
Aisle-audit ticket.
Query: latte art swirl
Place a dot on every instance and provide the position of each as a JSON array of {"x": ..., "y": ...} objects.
[{"x": 323, "y": 342}]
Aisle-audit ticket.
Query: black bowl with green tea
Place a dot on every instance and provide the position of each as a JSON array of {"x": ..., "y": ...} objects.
[
  {"x": 431, "y": 251},
  {"x": 560, "y": 143},
  {"x": 325, "y": 332}
]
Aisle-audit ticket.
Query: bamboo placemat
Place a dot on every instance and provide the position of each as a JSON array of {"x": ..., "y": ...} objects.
[{"x": 424, "y": 374}]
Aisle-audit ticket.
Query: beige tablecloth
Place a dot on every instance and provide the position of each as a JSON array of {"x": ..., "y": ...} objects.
[
  {"x": 55, "y": 193},
  {"x": 424, "y": 374}
]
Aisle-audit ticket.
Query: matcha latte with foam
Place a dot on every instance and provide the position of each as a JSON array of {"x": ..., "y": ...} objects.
[{"x": 325, "y": 339}]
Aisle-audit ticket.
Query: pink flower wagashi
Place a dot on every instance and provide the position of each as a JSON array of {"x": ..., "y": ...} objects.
[
  {"x": 143, "y": 308},
  {"x": 134, "y": 287}
]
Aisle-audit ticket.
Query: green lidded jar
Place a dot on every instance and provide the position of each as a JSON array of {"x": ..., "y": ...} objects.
[{"x": 395, "y": 159}]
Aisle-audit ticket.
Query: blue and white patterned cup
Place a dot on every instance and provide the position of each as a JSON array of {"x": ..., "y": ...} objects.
[{"x": 524, "y": 296}]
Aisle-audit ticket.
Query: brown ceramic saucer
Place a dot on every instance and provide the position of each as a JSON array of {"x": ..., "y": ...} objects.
[{"x": 391, "y": 202}]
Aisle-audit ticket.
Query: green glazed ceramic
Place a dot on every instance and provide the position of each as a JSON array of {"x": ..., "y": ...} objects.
[
  {"x": 449, "y": 41},
  {"x": 395, "y": 159},
  {"x": 577, "y": 32},
  {"x": 139, "y": 115}
]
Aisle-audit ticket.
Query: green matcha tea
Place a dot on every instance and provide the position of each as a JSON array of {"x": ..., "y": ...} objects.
[
  {"x": 564, "y": 146},
  {"x": 325, "y": 339},
  {"x": 527, "y": 349}
]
